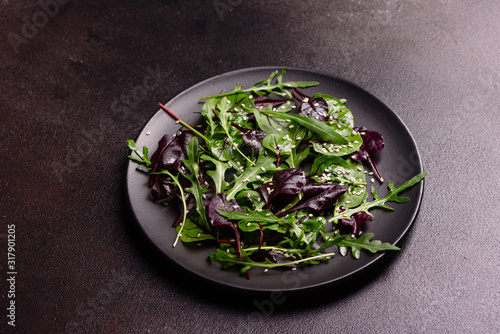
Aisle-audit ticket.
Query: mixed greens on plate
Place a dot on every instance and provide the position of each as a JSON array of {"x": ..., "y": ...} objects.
[{"x": 273, "y": 178}]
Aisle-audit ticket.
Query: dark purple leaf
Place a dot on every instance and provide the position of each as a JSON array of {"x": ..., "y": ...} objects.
[
  {"x": 318, "y": 197},
  {"x": 183, "y": 136},
  {"x": 252, "y": 137},
  {"x": 311, "y": 107},
  {"x": 372, "y": 142},
  {"x": 161, "y": 188},
  {"x": 167, "y": 154},
  {"x": 262, "y": 102},
  {"x": 219, "y": 202},
  {"x": 357, "y": 219},
  {"x": 284, "y": 182}
]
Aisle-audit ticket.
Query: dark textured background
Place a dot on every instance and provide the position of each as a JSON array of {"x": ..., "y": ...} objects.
[{"x": 83, "y": 266}]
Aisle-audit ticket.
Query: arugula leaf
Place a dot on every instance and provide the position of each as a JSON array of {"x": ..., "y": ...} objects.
[
  {"x": 264, "y": 216},
  {"x": 192, "y": 164},
  {"x": 143, "y": 156},
  {"x": 392, "y": 196},
  {"x": 365, "y": 242},
  {"x": 252, "y": 173},
  {"x": 219, "y": 174},
  {"x": 271, "y": 124},
  {"x": 265, "y": 87},
  {"x": 227, "y": 260}
]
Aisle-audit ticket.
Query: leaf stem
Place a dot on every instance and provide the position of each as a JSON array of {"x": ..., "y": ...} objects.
[
  {"x": 183, "y": 123},
  {"x": 183, "y": 199}
]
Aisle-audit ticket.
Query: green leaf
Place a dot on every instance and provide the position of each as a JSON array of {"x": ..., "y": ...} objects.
[
  {"x": 392, "y": 196},
  {"x": 322, "y": 130},
  {"x": 271, "y": 124},
  {"x": 250, "y": 198},
  {"x": 143, "y": 156},
  {"x": 278, "y": 144},
  {"x": 364, "y": 243},
  {"x": 252, "y": 173},
  {"x": 337, "y": 110},
  {"x": 295, "y": 159},
  {"x": 191, "y": 232},
  {"x": 228, "y": 260},
  {"x": 344, "y": 171},
  {"x": 265, "y": 87},
  {"x": 219, "y": 174},
  {"x": 192, "y": 164},
  {"x": 135, "y": 159},
  {"x": 262, "y": 217}
]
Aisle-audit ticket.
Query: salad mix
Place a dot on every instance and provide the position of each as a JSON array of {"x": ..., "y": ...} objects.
[{"x": 274, "y": 177}]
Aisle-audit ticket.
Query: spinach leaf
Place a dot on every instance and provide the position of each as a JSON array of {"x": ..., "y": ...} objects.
[
  {"x": 346, "y": 172},
  {"x": 336, "y": 110}
]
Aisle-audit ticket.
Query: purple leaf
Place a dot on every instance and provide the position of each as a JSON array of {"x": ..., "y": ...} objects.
[
  {"x": 357, "y": 219},
  {"x": 284, "y": 182},
  {"x": 219, "y": 202},
  {"x": 262, "y": 102},
  {"x": 252, "y": 137},
  {"x": 318, "y": 197},
  {"x": 372, "y": 142},
  {"x": 183, "y": 136},
  {"x": 161, "y": 188},
  {"x": 168, "y": 153},
  {"x": 312, "y": 107}
]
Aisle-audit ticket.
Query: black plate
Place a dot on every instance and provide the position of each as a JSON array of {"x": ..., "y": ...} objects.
[{"x": 399, "y": 162}]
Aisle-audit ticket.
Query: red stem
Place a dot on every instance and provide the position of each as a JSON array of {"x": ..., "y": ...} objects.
[{"x": 169, "y": 112}]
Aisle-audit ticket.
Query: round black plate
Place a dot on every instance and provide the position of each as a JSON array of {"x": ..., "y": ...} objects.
[{"x": 399, "y": 162}]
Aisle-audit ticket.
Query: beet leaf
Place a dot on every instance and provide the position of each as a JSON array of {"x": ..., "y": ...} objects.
[
  {"x": 318, "y": 197},
  {"x": 312, "y": 107},
  {"x": 373, "y": 142},
  {"x": 219, "y": 202},
  {"x": 287, "y": 181},
  {"x": 357, "y": 219}
]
